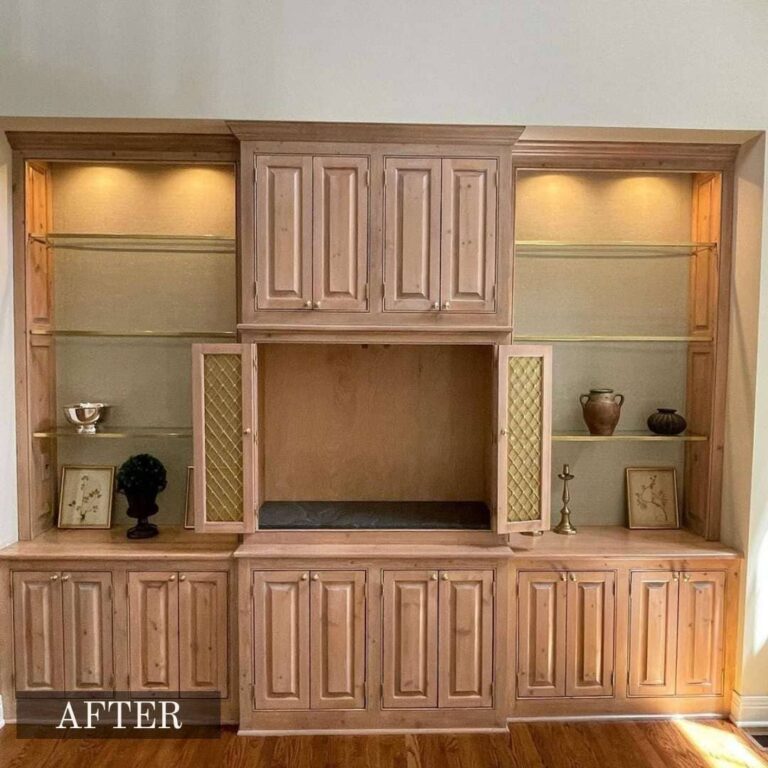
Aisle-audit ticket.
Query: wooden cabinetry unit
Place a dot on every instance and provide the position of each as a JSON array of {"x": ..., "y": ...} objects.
[
  {"x": 676, "y": 633},
  {"x": 178, "y": 632},
  {"x": 566, "y": 625},
  {"x": 309, "y": 641},
  {"x": 62, "y": 631}
]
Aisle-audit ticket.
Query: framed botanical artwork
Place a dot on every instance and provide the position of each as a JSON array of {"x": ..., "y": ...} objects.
[
  {"x": 652, "y": 497},
  {"x": 85, "y": 496},
  {"x": 189, "y": 507}
]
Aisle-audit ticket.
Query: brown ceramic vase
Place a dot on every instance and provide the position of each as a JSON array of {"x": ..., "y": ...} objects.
[{"x": 601, "y": 409}]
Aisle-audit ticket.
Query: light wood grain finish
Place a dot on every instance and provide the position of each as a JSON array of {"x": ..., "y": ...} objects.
[
  {"x": 283, "y": 231},
  {"x": 700, "y": 642},
  {"x": 340, "y": 233},
  {"x": 39, "y": 254},
  {"x": 468, "y": 243},
  {"x": 541, "y": 656},
  {"x": 653, "y": 633},
  {"x": 281, "y": 651},
  {"x": 203, "y": 633},
  {"x": 589, "y": 636},
  {"x": 338, "y": 639},
  {"x": 87, "y": 625},
  {"x": 466, "y": 616},
  {"x": 38, "y": 631},
  {"x": 412, "y": 234},
  {"x": 153, "y": 631},
  {"x": 410, "y": 649}
]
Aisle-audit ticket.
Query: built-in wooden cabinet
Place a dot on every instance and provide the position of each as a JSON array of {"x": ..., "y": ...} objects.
[
  {"x": 309, "y": 639},
  {"x": 566, "y": 625},
  {"x": 178, "y": 632},
  {"x": 676, "y": 633},
  {"x": 62, "y": 631},
  {"x": 438, "y": 639}
]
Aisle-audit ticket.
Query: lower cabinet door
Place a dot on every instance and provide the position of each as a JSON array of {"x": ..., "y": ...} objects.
[
  {"x": 281, "y": 640},
  {"x": 589, "y": 634},
  {"x": 466, "y": 639},
  {"x": 700, "y": 654},
  {"x": 652, "y": 633},
  {"x": 153, "y": 631},
  {"x": 409, "y": 662},
  {"x": 541, "y": 654},
  {"x": 37, "y": 631},
  {"x": 203, "y": 632},
  {"x": 337, "y": 614},
  {"x": 87, "y": 612}
]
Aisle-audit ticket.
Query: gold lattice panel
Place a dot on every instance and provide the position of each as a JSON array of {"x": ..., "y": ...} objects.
[
  {"x": 524, "y": 438},
  {"x": 223, "y": 438}
]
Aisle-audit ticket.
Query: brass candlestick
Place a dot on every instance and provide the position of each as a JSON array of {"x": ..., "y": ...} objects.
[{"x": 564, "y": 526}]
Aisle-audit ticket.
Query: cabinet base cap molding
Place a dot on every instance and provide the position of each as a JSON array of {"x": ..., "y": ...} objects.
[{"x": 367, "y": 731}]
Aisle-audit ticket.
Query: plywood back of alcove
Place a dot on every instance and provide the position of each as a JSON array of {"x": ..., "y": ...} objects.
[{"x": 345, "y": 422}]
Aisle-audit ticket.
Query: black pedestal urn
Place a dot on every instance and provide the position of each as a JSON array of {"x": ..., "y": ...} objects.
[{"x": 140, "y": 479}]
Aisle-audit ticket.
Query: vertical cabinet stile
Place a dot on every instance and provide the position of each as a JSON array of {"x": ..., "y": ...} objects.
[{"x": 224, "y": 384}]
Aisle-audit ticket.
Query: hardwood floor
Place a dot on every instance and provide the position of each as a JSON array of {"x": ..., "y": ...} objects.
[{"x": 660, "y": 744}]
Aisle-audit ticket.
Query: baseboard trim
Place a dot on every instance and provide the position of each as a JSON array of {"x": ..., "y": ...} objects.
[
  {"x": 365, "y": 731},
  {"x": 749, "y": 711},
  {"x": 637, "y": 716}
]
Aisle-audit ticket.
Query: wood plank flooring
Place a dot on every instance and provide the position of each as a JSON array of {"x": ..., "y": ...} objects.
[{"x": 660, "y": 744}]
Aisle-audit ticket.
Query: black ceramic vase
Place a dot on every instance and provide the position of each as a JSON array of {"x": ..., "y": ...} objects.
[
  {"x": 141, "y": 506},
  {"x": 666, "y": 421}
]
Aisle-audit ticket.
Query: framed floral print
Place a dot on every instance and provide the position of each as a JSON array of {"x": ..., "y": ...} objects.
[
  {"x": 85, "y": 496},
  {"x": 652, "y": 497}
]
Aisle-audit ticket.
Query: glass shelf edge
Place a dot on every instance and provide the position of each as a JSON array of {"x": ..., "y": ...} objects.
[
  {"x": 181, "y": 432},
  {"x": 607, "y": 339},
  {"x": 566, "y": 437},
  {"x": 617, "y": 249}
]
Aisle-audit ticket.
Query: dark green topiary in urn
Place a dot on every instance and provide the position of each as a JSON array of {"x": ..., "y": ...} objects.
[{"x": 141, "y": 478}]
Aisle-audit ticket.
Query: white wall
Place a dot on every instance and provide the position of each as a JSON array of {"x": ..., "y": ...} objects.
[{"x": 659, "y": 63}]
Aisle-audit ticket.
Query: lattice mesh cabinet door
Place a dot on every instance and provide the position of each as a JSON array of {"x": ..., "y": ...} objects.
[
  {"x": 525, "y": 428},
  {"x": 224, "y": 435}
]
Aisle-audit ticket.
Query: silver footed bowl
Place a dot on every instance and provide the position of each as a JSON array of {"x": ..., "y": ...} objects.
[{"x": 85, "y": 416}]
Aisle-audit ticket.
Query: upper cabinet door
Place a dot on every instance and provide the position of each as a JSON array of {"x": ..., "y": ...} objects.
[
  {"x": 589, "y": 634},
  {"x": 281, "y": 640},
  {"x": 469, "y": 203},
  {"x": 524, "y": 433},
  {"x": 153, "y": 631},
  {"x": 224, "y": 436},
  {"x": 340, "y": 233},
  {"x": 37, "y": 631},
  {"x": 541, "y": 612},
  {"x": 412, "y": 234},
  {"x": 652, "y": 633},
  {"x": 700, "y": 652},
  {"x": 409, "y": 671},
  {"x": 87, "y": 610},
  {"x": 283, "y": 231},
  {"x": 337, "y": 615},
  {"x": 466, "y": 639}
]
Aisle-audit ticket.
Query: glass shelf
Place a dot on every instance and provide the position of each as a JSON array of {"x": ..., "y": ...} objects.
[
  {"x": 138, "y": 243},
  {"x": 109, "y": 432},
  {"x": 553, "y": 249},
  {"x": 135, "y": 334},
  {"x": 568, "y": 339},
  {"x": 645, "y": 437}
]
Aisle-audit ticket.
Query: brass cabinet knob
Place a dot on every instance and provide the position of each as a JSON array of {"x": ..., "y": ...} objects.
[
  {"x": 433, "y": 577},
  {"x": 308, "y": 304},
  {"x": 675, "y": 577},
  {"x": 172, "y": 577},
  {"x": 304, "y": 576},
  {"x": 65, "y": 577},
  {"x": 55, "y": 577},
  {"x": 686, "y": 577},
  {"x": 183, "y": 577},
  {"x": 436, "y": 305},
  {"x": 247, "y": 431},
  {"x": 444, "y": 577},
  {"x": 503, "y": 432},
  {"x": 447, "y": 305},
  {"x": 563, "y": 577},
  {"x": 316, "y": 305},
  {"x": 315, "y": 577},
  {"x": 572, "y": 576}
]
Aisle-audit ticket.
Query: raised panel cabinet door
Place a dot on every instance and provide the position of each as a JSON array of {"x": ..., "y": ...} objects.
[
  {"x": 340, "y": 233},
  {"x": 523, "y": 437},
  {"x": 281, "y": 640},
  {"x": 203, "y": 633},
  {"x": 37, "y": 631},
  {"x": 224, "y": 436},
  {"x": 541, "y": 615},
  {"x": 39, "y": 253},
  {"x": 412, "y": 234},
  {"x": 466, "y": 639},
  {"x": 153, "y": 631},
  {"x": 700, "y": 652},
  {"x": 652, "y": 633},
  {"x": 87, "y": 611},
  {"x": 468, "y": 250},
  {"x": 283, "y": 232},
  {"x": 410, "y": 639},
  {"x": 337, "y": 614},
  {"x": 590, "y": 634}
]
